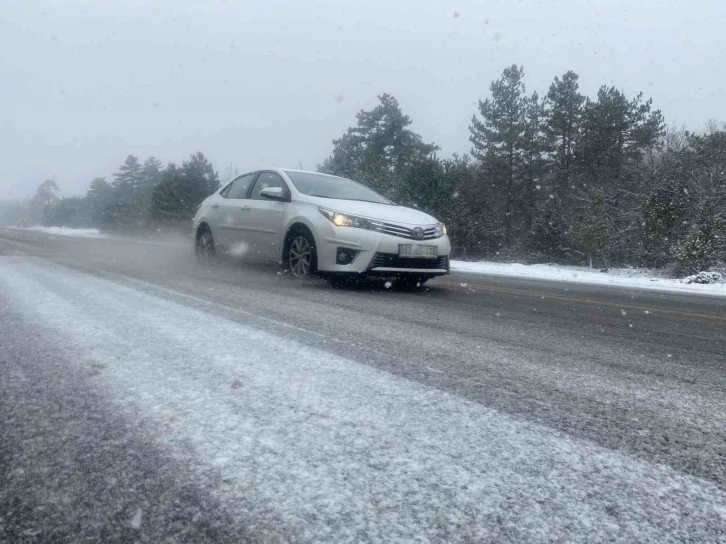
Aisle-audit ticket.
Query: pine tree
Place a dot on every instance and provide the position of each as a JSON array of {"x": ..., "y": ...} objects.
[
  {"x": 534, "y": 160},
  {"x": 379, "y": 149},
  {"x": 497, "y": 137},
  {"x": 148, "y": 179},
  {"x": 44, "y": 196},
  {"x": 124, "y": 210},
  {"x": 99, "y": 197},
  {"x": 563, "y": 123},
  {"x": 167, "y": 199},
  {"x": 616, "y": 130},
  {"x": 181, "y": 190},
  {"x": 664, "y": 214},
  {"x": 592, "y": 230}
]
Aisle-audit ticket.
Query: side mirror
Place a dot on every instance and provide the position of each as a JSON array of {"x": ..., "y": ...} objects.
[{"x": 274, "y": 193}]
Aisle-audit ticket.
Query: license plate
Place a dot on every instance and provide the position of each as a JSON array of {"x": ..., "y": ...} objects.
[{"x": 418, "y": 250}]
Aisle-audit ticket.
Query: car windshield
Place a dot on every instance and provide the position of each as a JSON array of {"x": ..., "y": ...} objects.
[{"x": 324, "y": 186}]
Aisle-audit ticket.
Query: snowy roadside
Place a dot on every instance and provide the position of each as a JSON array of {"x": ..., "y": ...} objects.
[
  {"x": 305, "y": 445},
  {"x": 623, "y": 277},
  {"x": 64, "y": 231},
  {"x": 616, "y": 277}
]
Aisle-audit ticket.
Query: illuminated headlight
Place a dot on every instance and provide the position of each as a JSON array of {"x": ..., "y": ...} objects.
[
  {"x": 346, "y": 220},
  {"x": 440, "y": 230}
]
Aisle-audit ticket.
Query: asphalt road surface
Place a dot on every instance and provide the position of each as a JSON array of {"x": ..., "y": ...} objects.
[{"x": 147, "y": 398}]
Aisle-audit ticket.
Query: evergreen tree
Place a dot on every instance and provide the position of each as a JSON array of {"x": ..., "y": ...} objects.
[
  {"x": 149, "y": 177},
  {"x": 46, "y": 193},
  {"x": 497, "y": 137},
  {"x": 99, "y": 197},
  {"x": 69, "y": 212},
  {"x": 124, "y": 211},
  {"x": 616, "y": 130},
  {"x": 534, "y": 160},
  {"x": 44, "y": 196},
  {"x": 379, "y": 149},
  {"x": 181, "y": 190},
  {"x": 705, "y": 245},
  {"x": 550, "y": 234},
  {"x": 563, "y": 124},
  {"x": 167, "y": 199},
  {"x": 664, "y": 214},
  {"x": 592, "y": 231}
]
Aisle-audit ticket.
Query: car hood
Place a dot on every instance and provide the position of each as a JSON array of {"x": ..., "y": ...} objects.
[{"x": 371, "y": 210}]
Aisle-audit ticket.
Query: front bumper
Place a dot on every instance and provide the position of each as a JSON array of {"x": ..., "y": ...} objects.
[{"x": 377, "y": 254}]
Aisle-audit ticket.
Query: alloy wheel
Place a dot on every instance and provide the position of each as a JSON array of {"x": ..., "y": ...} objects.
[{"x": 301, "y": 257}]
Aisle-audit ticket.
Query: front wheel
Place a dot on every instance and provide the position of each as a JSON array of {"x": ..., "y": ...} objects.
[
  {"x": 204, "y": 248},
  {"x": 301, "y": 257}
]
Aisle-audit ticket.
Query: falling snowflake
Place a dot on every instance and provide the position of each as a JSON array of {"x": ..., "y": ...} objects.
[
  {"x": 387, "y": 285},
  {"x": 135, "y": 522}
]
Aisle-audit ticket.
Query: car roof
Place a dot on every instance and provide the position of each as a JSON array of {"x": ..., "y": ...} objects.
[{"x": 277, "y": 169}]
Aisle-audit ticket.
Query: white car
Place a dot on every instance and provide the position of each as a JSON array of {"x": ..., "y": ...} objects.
[{"x": 317, "y": 223}]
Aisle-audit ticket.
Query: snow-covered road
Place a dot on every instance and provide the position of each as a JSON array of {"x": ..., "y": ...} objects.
[{"x": 301, "y": 444}]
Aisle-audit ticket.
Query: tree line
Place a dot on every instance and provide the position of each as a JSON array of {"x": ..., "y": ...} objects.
[
  {"x": 140, "y": 196},
  {"x": 560, "y": 177},
  {"x": 553, "y": 177}
]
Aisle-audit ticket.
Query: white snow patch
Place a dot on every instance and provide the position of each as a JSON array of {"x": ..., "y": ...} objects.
[
  {"x": 704, "y": 277},
  {"x": 312, "y": 438},
  {"x": 622, "y": 277},
  {"x": 65, "y": 231}
]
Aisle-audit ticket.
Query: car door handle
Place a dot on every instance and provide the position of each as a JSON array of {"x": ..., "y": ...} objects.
[
  {"x": 215, "y": 206},
  {"x": 245, "y": 208}
]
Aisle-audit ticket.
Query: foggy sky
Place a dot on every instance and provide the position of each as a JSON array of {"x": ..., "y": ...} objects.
[{"x": 84, "y": 84}]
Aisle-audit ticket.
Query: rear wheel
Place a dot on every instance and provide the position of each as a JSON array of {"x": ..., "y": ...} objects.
[
  {"x": 301, "y": 255},
  {"x": 204, "y": 248}
]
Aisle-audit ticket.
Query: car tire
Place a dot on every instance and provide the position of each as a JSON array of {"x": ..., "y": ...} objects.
[
  {"x": 302, "y": 259},
  {"x": 204, "y": 247}
]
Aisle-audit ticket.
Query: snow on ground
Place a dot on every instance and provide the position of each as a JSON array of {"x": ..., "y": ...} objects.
[
  {"x": 310, "y": 446},
  {"x": 66, "y": 231},
  {"x": 625, "y": 277}
]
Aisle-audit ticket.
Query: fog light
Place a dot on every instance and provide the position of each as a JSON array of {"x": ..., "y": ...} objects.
[{"x": 345, "y": 255}]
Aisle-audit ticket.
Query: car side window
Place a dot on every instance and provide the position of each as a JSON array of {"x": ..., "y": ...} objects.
[
  {"x": 266, "y": 180},
  {"x": 240, "y": 186},
  {"x": 225, "y": 191}
]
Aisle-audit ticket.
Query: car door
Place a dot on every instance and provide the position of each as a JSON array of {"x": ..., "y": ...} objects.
[
  {"x": 264, "y": 220},
  {"x": 231, "y": 211}
]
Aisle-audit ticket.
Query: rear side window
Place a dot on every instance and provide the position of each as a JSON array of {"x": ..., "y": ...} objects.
[{"x": 240, "y": 186}]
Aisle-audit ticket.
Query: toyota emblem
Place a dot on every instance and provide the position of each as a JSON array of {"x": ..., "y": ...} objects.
[{"x": 418, "y": 233}]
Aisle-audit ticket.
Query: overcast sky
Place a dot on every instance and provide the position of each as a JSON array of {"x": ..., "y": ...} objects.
[{"x": 84, "y": 84}]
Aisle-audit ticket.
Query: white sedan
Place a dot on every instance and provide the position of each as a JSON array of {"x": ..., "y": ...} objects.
[{"x": 317, "y": 223}]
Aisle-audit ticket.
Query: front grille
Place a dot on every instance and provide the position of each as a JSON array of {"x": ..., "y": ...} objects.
[
  {"x": 391, "y": 260},
  {"x": 405, "y": 232}
]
